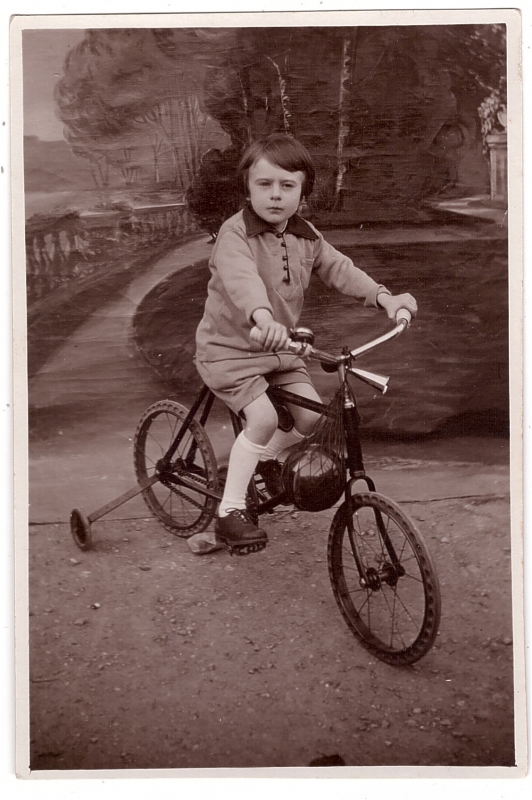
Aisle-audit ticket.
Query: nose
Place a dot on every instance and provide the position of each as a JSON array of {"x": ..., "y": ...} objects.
[{"x": 276, "y": 191}]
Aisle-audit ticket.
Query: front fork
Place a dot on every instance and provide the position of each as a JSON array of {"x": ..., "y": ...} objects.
[{"x": 355, "y": 465}]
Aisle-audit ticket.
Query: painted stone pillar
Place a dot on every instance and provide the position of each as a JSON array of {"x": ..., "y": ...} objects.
[{"x": 497, "y": 143}]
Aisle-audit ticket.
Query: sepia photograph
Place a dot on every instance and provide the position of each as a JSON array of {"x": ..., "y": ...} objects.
[{"x": 268, "y": 394}]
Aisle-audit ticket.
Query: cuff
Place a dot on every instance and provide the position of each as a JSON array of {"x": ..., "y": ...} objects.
[
  {"x": 371, "y": 299},
  {"x": 256, "y": 308}
]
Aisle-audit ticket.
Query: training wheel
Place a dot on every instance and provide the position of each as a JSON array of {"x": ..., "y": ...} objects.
[{"x": 80, "y": 528}]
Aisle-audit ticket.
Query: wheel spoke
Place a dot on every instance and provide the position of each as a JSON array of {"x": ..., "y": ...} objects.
[
  {"x": 407, "y": 612},
  {"x": 392, "y": 621},
  {"x": 412, "y": 577},
  {"x": 157, "y": 443}
]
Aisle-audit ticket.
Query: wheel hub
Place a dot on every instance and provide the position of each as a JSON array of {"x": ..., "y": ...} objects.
[
  {"x": 164, "y": 470},
  {"x": 390, "y": 574},
  {"x": 372, "y": 581}
]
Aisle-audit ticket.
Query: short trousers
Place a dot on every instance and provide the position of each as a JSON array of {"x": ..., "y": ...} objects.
[{"x": 239, "y": 381}]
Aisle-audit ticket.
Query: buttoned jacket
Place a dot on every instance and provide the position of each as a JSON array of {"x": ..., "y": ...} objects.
[{"x": 253, "y": 266}]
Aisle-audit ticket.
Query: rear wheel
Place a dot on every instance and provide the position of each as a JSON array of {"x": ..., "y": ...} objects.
[
  {"x": 395, "y": 612},
  {"x": 181, "y": 509}
]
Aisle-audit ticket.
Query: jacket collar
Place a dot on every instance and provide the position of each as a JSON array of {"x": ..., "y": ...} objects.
[{"x": 296, "y": 225}]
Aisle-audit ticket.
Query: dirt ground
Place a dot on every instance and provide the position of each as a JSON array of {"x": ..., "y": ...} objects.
[{"x": 144, "y": 655}]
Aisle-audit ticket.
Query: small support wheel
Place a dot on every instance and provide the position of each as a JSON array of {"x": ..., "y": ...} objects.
[{"x": 80, "y": 529}]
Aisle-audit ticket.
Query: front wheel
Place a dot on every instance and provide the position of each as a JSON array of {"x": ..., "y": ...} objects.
[
  {"x": 394, "y": 609},
  {"x": 183, "y": 510}
]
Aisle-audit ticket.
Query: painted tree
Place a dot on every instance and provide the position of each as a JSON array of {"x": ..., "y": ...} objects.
[
  {"x": 345, "y": 78},
  {"x": 98, "y": 163},
  {"x": 120, "y": 82}
]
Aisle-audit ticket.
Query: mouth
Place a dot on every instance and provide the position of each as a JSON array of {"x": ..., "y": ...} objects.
[{"x": 274, "y": 208}]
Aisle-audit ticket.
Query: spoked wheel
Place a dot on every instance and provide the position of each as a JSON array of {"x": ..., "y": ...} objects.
[
  {"x": 181, "y": 509},
  {"x": 395, "y": 612}
]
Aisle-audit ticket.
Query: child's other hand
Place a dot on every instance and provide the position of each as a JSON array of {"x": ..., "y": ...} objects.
[
  {"x": 270, "y": 335},
  {"x": 393, "y": 303}
]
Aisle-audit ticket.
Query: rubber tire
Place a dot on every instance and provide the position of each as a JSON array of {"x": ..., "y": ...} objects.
[
  {"x": 80, "y": 528},
  {"x": 181, "y": 521},
  {"x": 343, "y": 574}
]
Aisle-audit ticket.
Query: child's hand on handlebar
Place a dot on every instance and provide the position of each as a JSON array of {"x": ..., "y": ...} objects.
[
  {"x": 392, "y": 304},
  {"x": 269, "y": 334}
]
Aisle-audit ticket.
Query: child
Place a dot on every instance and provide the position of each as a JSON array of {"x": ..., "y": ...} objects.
[{"x": 261, "y": 265}]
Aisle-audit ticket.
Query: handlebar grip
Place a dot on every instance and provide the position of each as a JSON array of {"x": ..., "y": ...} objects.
[
  {"x": 256, "y": 336},
  {"x": 296, "y": 346},
  {"x": 403, "y": 315}
]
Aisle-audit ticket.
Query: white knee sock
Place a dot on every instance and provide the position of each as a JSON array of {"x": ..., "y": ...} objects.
[
  {"x": 242, "y": 462},
  {"x": 281, "y": 441}
]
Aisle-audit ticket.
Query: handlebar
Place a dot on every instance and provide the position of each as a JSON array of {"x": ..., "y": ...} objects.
[
  {"x": 331, "y": 362},
  {"x": 403, "y": 320}
]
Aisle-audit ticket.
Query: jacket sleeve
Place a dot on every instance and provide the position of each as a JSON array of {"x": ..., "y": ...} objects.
[
  {"x": 338, "y": 271},
  {"x": 239, "y": 274}
]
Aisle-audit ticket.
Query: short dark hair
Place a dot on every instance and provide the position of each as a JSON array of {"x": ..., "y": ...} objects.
[{"x": 283, "y": 151}]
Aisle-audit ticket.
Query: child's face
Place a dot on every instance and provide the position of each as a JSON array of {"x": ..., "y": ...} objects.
[{"x": 274, "y": 192}]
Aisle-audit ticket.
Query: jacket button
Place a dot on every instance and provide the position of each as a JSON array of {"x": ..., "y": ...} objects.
[
  {"x": 285, "y": 258},
  {"x": 279, "y": 235}
]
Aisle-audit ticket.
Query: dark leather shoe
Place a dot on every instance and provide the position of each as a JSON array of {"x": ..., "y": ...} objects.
[
  {"x": 271, "y": 472},
  {"x": 237, "y": 528}
]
